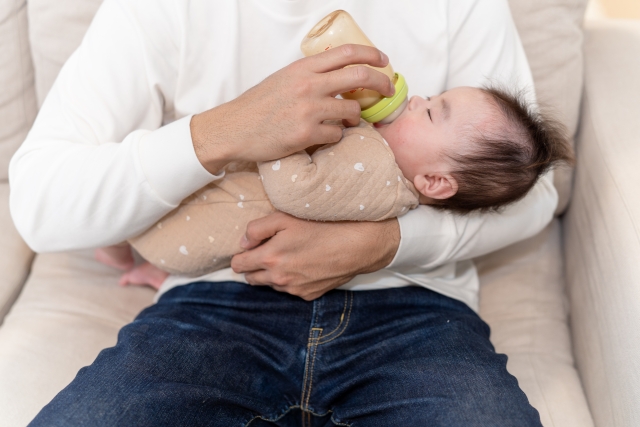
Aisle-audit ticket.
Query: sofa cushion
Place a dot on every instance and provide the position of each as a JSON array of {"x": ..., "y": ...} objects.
[
  {"x": 70, "y": 308},
  {"x": 551, "y": 32},
  {"x": 523, "y": 299},
  {"x": 17, "y": 96},
  {"x": 16, "y": 256}
]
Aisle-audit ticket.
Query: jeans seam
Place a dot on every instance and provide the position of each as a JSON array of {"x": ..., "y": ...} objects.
[
  {"x": 279, "y": 417},
  {"x": 306, "y": 387},
  {"x": 315, "y": 339},
  {"x": 344, "y": 309},
  {"x": 305, "y": 403},
  {"x": 260, "y": 417},
  {"x": 338, "y": 423},
  {"x": 346, "y": 323}
]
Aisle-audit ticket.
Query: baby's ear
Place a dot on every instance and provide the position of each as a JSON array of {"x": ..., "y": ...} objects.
[{"x": 436, "y": 186}]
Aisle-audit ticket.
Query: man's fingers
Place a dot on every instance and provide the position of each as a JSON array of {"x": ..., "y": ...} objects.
[
  {"x": 341, "y": 109},
  {"x": 261, "y": 229},
  {"x": 247, "y": 262},
  {"x": 327, "y": 134},
  {"x": 348, "y": 54},
  {"x": 353, "y": 78},
  {"x": 258, "y": 278}
]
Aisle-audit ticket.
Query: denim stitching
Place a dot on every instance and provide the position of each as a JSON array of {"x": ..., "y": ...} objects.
[
  {"x": 307, "y": 364},
  {"x": 306, "y": 415},
  {"x": 279, "y": 417},
  {"x": 344, "y": 328},
  {"x": 313, "y": 365},
  {"x": 338, "y": 423},
  {"x": 315, "y": 341},
  {"x": 305, "y": 388},
  {"x": 272, "y": 419},
  {"x": 344, "y": 309}
]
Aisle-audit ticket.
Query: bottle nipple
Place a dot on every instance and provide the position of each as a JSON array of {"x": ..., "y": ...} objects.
[{"x": 340, "y": 28}]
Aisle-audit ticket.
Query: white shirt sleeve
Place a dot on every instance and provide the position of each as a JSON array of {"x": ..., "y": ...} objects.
[
  {"x": 97, "y": 168},
  {"x": 484, "y": 49}
]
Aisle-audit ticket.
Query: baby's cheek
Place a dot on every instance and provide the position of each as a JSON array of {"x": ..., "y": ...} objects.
[{"x": 404, "y": 157}]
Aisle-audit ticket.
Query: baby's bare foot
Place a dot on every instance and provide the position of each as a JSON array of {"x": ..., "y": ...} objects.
[
  {"x": 144, "y": 274},
  {"x": 119, "y": 257}
]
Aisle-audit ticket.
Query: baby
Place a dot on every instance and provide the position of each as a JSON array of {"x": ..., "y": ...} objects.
[{"x": 466, "y": 149}]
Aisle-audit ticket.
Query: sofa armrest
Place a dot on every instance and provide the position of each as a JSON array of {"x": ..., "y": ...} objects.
[{"x": 602, "y": 226}]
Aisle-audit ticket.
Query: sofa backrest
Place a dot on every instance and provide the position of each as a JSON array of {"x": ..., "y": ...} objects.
[
  {"x": 551, "y": 31},
  {"x": 17, "y": 95},
  {"x": 56, "y": 29}
]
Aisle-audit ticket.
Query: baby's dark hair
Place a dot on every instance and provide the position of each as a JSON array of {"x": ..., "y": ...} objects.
[{"x": 502, "y": 167}]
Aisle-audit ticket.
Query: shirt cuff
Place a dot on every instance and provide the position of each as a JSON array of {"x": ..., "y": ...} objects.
[
  {"x": 422, "y": 231},
  {"x": 170, "y": 163}
]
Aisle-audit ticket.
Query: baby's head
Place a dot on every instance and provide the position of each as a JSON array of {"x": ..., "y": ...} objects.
[{"x": 474, "y": 149}]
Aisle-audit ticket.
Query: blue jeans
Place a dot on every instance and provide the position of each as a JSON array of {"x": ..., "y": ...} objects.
[{"x": 228, "y": 354}]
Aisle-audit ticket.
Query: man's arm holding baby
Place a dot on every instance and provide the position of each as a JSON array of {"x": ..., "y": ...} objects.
[
  {"x": 308, "y": 258},
  {"x": 484, "y": 48}
]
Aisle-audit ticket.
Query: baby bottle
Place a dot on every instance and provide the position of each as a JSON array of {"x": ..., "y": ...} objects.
[{"x": 339, "y": 28}]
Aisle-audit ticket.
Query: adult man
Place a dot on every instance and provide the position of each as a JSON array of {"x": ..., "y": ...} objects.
[{"x": 222, "y": 353}]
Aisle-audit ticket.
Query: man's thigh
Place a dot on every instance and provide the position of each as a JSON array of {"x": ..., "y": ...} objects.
[
  {"x": 206, "y": 354},
  {"x": 226, "y": 354},
  {"x": 419, "y": 359}
]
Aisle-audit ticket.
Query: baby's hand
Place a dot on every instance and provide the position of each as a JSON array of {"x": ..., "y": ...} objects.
[{"x": 144, "y": 275}]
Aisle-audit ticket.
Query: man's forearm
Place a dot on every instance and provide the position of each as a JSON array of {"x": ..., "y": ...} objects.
[{"x": 208, "y": 141}]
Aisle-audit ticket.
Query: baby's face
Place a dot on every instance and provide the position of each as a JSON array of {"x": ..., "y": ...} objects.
[{"x": 430, "y": 128}]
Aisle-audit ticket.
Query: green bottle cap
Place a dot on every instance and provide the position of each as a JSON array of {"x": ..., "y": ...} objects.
[{"x": 386, "y": 106}]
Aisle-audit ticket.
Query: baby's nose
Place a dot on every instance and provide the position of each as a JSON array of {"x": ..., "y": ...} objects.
[{"x": 415, "y": 101}]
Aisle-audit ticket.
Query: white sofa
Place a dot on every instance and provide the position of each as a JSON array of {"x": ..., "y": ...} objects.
[{"x": 564, "y": 305}]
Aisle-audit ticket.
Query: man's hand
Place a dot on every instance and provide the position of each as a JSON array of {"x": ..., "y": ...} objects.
[
  {"x": 308, "y": 258},
  {"x": 285, "y": 112}
]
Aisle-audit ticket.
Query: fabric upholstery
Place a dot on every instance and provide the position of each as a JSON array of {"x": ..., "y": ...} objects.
[
  {"x": 56, "y": 29},
  {"x": 15, "y": 259},
  {"x": 17, "y": 96},
  {"x": 522, "y": 297},
  {"x": 551, "y": 32},
  {"x": 17, "y": 112},
  {"x": 69, "y": 310},
  {"x": 602, "y": 226}
]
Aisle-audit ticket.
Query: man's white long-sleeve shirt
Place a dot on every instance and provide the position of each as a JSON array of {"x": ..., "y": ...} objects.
[{"x": 111, "y": 150}]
